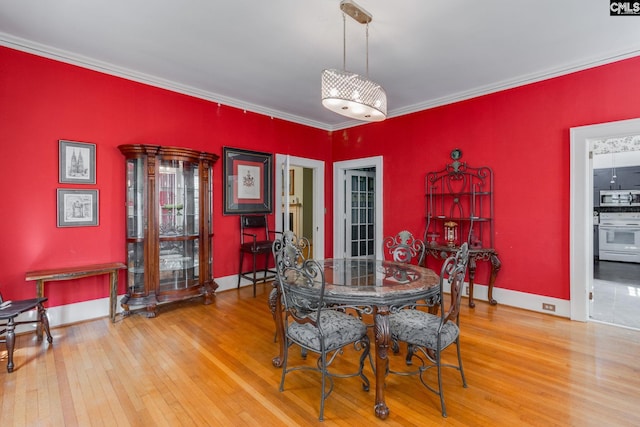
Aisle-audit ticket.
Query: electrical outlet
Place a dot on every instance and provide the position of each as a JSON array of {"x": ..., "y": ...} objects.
[
  {"x": 466, "y": 290},
  {"x": 548, "y": 307}
]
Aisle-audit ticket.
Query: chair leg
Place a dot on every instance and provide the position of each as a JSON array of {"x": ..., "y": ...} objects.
[
  {"x": 285, "y": 357},
  {"x": 464, "y": 380},
  {"x": 440, "y": 391},
  {"x": 266, "y": 266},
  {"x": 323, "y": 395},
  {"x": 254, "y": 274},
  {"x": 240, "y": 269},
  {"x": 11, "y": 341},
  {"x": 365, "y": 353},
  {"x": 409, "y": 357}
]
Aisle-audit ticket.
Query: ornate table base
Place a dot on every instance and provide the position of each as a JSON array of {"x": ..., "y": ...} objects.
[{"x": 381, "y": 292}]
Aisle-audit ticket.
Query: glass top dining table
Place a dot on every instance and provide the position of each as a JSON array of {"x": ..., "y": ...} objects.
[{"x": 374, "y": 286}]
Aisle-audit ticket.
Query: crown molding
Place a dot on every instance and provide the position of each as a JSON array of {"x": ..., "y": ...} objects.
[
  {"x": 111, "y": 69},
  {"x": 515, "y": 82}
]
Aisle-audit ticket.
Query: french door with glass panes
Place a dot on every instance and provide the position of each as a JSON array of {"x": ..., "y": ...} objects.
[{"x": 360, "y": 216}]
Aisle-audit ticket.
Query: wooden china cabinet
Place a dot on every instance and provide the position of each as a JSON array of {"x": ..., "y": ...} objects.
[{"x": 169, "y": 228}]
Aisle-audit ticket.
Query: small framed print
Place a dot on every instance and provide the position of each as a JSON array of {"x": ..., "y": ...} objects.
[
  {"x": 291, "y": 183},
  {"x": 76, "y": 162},
  {"x": 77, "y": 208},
  {"x": 247, "y": 180}
]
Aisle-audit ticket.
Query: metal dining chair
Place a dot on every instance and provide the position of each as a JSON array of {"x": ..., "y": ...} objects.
[
  {"x": 304, "y": 247},
  {"x": 428, "y": 335},
  {"x": 312, "y": 325},
  {"x": 403, "y": 248}
]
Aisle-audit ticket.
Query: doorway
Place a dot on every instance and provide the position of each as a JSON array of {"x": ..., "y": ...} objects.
[
  {"x": 299, "y": 199},
  {"x": 616, "y": 283},
  {"x": 357, "y": 231},
  {"x": 581, "y": 217}
]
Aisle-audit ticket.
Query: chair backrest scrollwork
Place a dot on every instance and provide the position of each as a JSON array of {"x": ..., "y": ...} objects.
[
  {"x": 305, "y": 282},
  {"x": 294, "y": 250},
  {"x": 453, "y": 271},
  {"x": 403, "y": 247}
]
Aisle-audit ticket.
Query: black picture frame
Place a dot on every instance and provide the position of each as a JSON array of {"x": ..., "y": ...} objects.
[
  {"x": 76, "y": 162},
  {"x": 77, "y": 208},
  {"x": 247, "y": 177}
]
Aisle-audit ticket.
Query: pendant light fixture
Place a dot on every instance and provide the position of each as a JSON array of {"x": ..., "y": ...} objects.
[{"x": 348, "y": 93}]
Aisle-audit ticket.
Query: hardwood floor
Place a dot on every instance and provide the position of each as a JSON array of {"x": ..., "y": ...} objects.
[{"x": 211, "y": 365}]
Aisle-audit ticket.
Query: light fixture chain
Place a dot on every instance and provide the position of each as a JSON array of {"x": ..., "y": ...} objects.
[
  {"x": 344, "y": 41},
  {"x": 367, "y": 54}
]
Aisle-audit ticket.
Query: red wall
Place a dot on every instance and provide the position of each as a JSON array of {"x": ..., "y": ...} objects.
[
  {"x": 43, "y": 101},
  {"x": 522, "y": 133}
]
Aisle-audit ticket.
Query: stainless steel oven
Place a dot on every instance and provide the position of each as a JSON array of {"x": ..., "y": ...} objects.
[
  {"x": 619, "y": 237},
  {"x": 619, "y": 198}
]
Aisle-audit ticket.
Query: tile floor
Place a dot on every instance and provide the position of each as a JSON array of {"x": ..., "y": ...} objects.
[{"x": 616, "y": 289}]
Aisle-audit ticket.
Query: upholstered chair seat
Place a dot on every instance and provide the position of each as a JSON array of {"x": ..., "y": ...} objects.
[
  {"x": 338, "y": 328},
  {"x": 420, "y": 328}
]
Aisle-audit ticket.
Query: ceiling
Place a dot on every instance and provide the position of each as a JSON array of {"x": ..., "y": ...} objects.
[{"x": 267, "y": 56}]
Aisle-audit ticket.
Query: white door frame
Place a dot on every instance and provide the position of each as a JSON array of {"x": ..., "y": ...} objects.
[
  {"x": 284, "y": 161},
  {"x": 339, "y": 196},
  {"x": 581, "y": 217}
]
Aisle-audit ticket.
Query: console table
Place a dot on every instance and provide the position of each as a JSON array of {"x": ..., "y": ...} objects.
[
  {"x": 477, "y": 254},
  {"x": 68, "y": 273}
]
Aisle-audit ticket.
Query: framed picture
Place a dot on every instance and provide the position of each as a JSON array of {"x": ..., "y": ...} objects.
[
  {"x": 247, "y": 180},
  {"x": 291, "y": 184},
  {"x": 76, "y": 162},
  {"x": 77, "y": 208}
]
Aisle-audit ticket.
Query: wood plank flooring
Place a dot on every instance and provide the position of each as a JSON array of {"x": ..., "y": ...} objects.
[{"x": 211, "y": 365}]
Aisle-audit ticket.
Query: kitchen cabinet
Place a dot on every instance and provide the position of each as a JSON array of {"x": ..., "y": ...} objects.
[
  {"x": 601, "y": 181},
  {"x": 169, "y": 229},
  {"x": 627, "y": 178}
]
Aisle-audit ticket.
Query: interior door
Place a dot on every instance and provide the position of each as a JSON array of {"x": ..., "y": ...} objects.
[
  {"x": 360, "y": 214},
  {"x": 286, "y": 200}
]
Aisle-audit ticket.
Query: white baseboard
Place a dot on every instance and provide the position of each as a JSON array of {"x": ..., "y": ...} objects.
[
  {"x": 231, "y": 282},
  {"x": 69, "y": 313},
  {"x": 523, "y": 300},
  {"x": 93, "y": 309}
]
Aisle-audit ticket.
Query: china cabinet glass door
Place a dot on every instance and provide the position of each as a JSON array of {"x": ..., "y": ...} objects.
[
  {"x": 135, "y": 225},
  {"x": 178, "y": 219}
]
